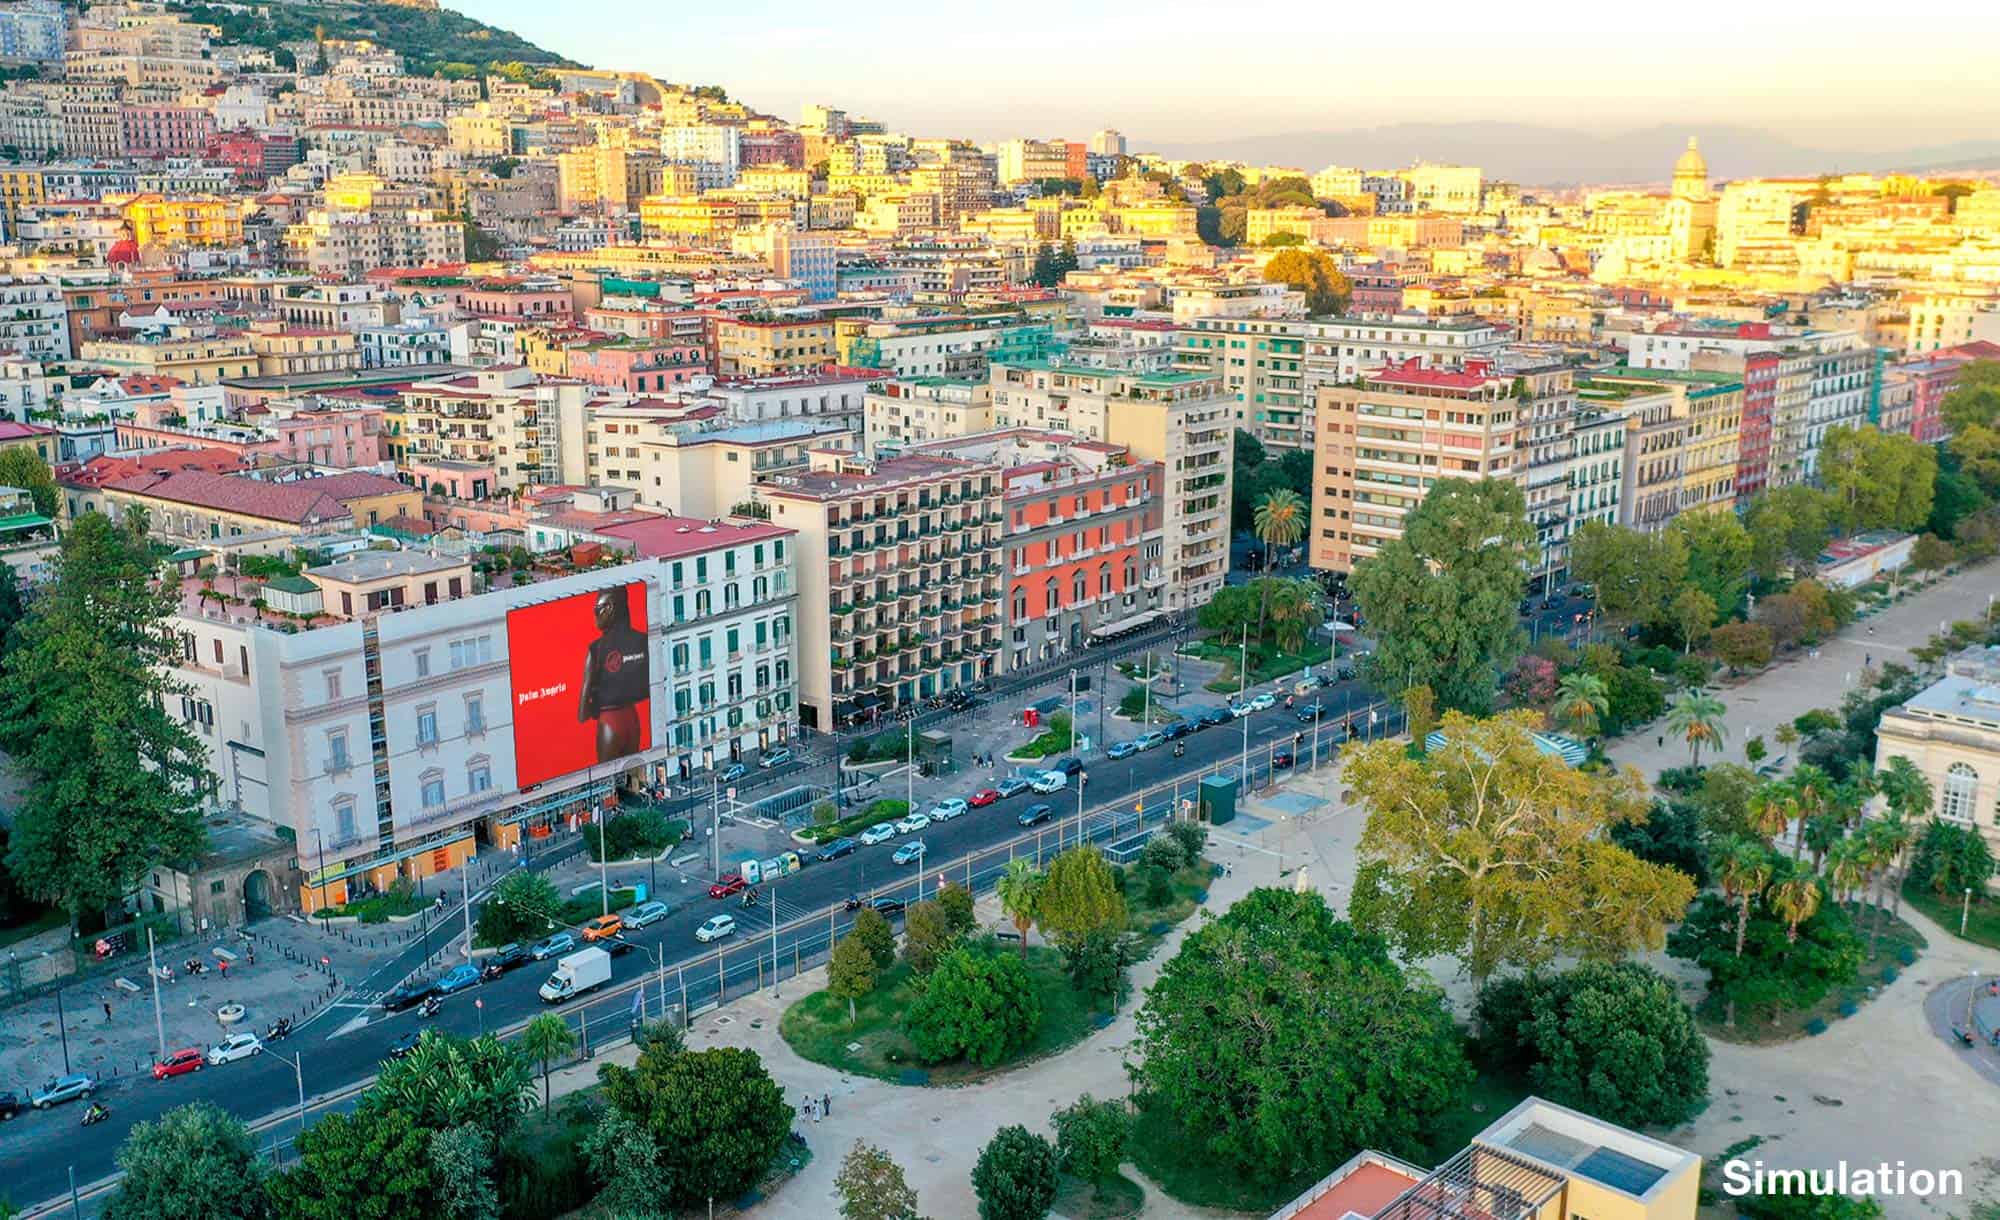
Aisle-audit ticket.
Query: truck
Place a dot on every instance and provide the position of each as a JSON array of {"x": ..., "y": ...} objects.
[{"x": 584, "y": 970}]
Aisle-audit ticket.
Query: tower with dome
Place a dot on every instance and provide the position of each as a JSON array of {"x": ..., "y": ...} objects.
[{"x": 1690, "y": 212}]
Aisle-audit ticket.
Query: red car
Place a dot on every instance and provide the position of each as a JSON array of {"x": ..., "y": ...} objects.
[
  {"x": 180, "y": 1062},
  {"x": 729, "y": 884},
  {"x": 985, "y": 796}
]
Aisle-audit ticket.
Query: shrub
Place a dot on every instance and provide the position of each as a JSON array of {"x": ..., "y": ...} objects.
[
  {"x": 1091, "y": 1137},
  {"x": 1015, "y": 1178},
  {"x": 956, "y": 902},
  {"x": 976, "y": 1005},
  {"x": 927, "y": 936},
  {"x": 875, "y": 935},
  {"x": 1096, "y": 964},
  {"x": 1951, "y": 859},
  {"x": 1164, "y": 852},
  {"x": 1155, "y": 884},
  {"x": 1192, "y": 836},
  {"x": 643, "y": 832}
]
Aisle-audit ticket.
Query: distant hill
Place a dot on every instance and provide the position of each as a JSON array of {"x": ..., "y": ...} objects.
[
  {"x": 431, "y": 40},
  {"x": 1547, "y": 156}
]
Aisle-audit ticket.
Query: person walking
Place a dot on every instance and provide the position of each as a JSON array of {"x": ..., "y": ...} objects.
[
  {"x": 826, "y": 1103},
  {"x": 107, "y": 1012}
]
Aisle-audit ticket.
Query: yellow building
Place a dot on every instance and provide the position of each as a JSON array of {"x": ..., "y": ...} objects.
[
  {"x": 763, "y": 346},
  {"x": 179, "y": 223},
  {"x": 285, "y": 353},
  {"x": 197, "y": 360},
  {"x": 1154, "y": 218}
]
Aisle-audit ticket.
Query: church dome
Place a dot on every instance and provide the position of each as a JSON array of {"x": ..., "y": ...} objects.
[{"x": 1691, "y": 164}]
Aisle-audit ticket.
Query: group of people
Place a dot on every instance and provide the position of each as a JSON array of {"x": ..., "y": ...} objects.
[{"x": 819, "y": 1107}]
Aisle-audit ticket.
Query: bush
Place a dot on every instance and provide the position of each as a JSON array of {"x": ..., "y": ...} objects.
[
  {"x": 590, "y": 904},
  {"x": 1091, "y": 1137},
  {"x": 1155, "y": 885},
  {"x": 956, "y": 901},
  {"x": 977, "y": 1005},
  {"x": 1164, "y": 852},
  {"x": 1096, "y": 963},
  {"x": 1015, "y": 1178},
  {"x": 927, "y": 937},
  {"x": 874, "y": 934},
  {"x": 1951, "y": 859},
  {"x": 1693, "y": 671},
  {"x": 1192, "y": 836},
  {"x": 523, "y": 906},
  {"x": 641, "y": 833}
]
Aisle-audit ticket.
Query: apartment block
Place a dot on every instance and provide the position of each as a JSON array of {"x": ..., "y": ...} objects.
[
  {"x": 1261, "y": 365},
  {"x": 1655, "y": 447},
  {"x": 766, "y": 346}
]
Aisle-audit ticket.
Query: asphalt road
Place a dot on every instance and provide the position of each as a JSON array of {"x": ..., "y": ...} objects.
[{"x": 344, "y": 1046}]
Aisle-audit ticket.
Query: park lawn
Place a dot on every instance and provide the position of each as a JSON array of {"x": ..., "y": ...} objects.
[
  {"x": 817, "y": 1028},
  {"x": 590, "y": 904},
  {"x": 1757, "y": 1031},
  {"x": 1152, "y": 923},
  {"x": 884, "y": 810},
  {"x": 380, "y": 908},
  {"x": 1267, "y": 663},
  {"x": 1058, "y": 738},
  {"x": 1116, "y": 1198},
  {"x": 1982, "y": 927}
]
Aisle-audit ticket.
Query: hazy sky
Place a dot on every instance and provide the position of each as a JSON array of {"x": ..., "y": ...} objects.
[{"x": 1180, "y": 71}]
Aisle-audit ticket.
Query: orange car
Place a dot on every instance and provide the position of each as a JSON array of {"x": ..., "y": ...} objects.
[{"x": 603, "y": 926}]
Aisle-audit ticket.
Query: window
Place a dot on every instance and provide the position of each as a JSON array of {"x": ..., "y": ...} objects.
[
  {"x": 433, "y": 790},
  {"x": 423, "y": 662},
  {"x": 680, "y": 658},
  {"x": 336, "y": 750},
  {"x": 427, "y": 726},
  {"x": 707, "y": 644},
  {"x": 475, "y": 713},
  {"x": 1961, "y": 785},
  {"x": 332, "y": 685},
  {"x": 343, "y": 820},
  {"x": 478, "y": 775}
]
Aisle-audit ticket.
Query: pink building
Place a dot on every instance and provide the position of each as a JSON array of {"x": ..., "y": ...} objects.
[
  {"x": 155, "y": 131},
  {"x": 517, "y": 300},
  {"x": 637, "y": 367},
  {"x": 339, "y": 438},
  {"x": 771, "y": 146}
]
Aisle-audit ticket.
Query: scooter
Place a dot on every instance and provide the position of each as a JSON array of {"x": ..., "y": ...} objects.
[
  {"x": 430, "y": 1007},
  {"x": 489, "y": 972},
  {"x": 279, "y": 1028},
  {"x": 853, "y": 903},
  {"x": 749, "y": 898},
  {"x": 95, "y": 1112},
  {"x": 1180, "y": 748}
]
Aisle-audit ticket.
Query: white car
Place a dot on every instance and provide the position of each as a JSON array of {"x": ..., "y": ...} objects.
[
  {"x": 717, "y": 927},
  {"x": 1049, "y": 781},
  {"x": 911, "y": 852},
  {"x": 1240, "y": 710},
  {"x": 911, "y": 823},
  {"x": 1262, "y": 701},
  {"x": 947, "y": 809},
  {"x": 234, "y": 1047},
  {"x": 880, "y": 832}
]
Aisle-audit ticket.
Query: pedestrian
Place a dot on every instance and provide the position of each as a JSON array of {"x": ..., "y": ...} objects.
[
  {"x": 1661, "y": 741},
  {"x": 826, "y": 1103},
  {"x": 815, "y": 1111},
  {"x": 107, "y": 1012},
  {"x": 224, "y": 965}
]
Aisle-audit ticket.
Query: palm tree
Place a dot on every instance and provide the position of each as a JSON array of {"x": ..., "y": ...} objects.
[
  {"x": 1020, "y": 893},
  {"x": 1772, "y": 808},
  {"x": 1582, "y": 703},
  {"x": 1849, "y": 866},
  {"x": 1744, "y": 872},
  {"x": 1279, "y": 520},
  {"x": 1787, "y": 734},
  {"x": 1895, "y": 833},
  {"x": 1814, "y": 790},
  {"x": 547, "y": 1037},
  {"x": 1696, "y": 717},
  {"x": 1294, "y": 609},
  {"x": 1905, "y": 788},
  {"x": 1795, "y": 899}
]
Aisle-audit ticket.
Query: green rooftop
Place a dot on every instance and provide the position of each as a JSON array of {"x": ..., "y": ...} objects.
[{"x": 291, "y": 584}]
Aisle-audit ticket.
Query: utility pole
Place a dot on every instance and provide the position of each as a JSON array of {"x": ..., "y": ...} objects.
[
  {"x": 299, "y": 1077},
  {"x": 1243, "y": 675},
  {"x": 62, "y": 1028},
  {"x": 153, "y": 968},
  {"x": 715, "y": 812},
  {"x": 465, "y": 899},
  {"x": 910, "y": 760},
  {"x": 600, "y": 815}
]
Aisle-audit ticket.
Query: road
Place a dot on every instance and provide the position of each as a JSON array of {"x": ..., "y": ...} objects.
[{"x": 344, "y": 1046}]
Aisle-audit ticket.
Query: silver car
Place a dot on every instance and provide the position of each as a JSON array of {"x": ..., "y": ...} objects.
[{"x": 646, "y": 913}]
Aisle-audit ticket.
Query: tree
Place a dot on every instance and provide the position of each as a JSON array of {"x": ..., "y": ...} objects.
[
  {"x": 1951, "y": 859},
  {"x": 194, "y": 1160},
  {"x": 1532, "y": 682},
  {"x": 1778, "y": 967},
  {"x": 1279, "y": 521},
  {"x": 1079, "y": 896},
  {"x": 22, "y": 467},
  {"x": 1443, "y": 598},
  {"x": 1096, "y": 961},
  {"x": 1581, "y": 704},
  {"x": 1608, "y": 1038},
  {"x": 547, "y": 1037},
  {"x": 1745, "y": 869},
  {"x": 1693, "y": 614},
  {"x": 462, "y": 1160},
  {"x": 1931, "y": 554},
  {"x": 956, "y": 901},
  {"x": 872, "y": 1186},
  {"x": 1491, "y": 850},
  {"x": 447, "y": 1081},
  {"x": 875, "y": 935},
  {"x": 112, "y": 777},
  {"x": 374, "y": 1163},
  {"x": 523, "y": 906},
  {"x": 977, "y": 1006},
  {"x": 716, "y": 1116},
  {"x": 1419, "y": 712},
  {"x": 1718, "y": 552},
  {"x": 1020, "y": 890},
  {"x": 13, "y": 605},
  {"x": 1015, "y": 1178},
  {"x": 850, "y": 972},
  {"x": 625, "y": 1162},
  {"x": 1635, "y": 574},
  {"x": 1280, "y": 1039},
  {"x": 1696, "y": 717},
  {"x": 1742, "y": 646},
  {"x": 927, "y": 936},
  {"x": 1880, "y": 480},
  {"x": 1090, "y": 1138},
  {"x": 1314, "y": 273}
]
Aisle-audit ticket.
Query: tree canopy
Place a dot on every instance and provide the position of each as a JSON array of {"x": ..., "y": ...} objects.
[
  {"x": 716, "y": 1117},
  {"x": 1314, "y": 273},
  {"x": 192, "y": 1161},
  {"x": 977, "y": 1005}
]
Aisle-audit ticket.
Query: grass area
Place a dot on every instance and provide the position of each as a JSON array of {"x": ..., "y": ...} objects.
[
  {"x": 1133, "y": 706},
  {"x": 1267, "y": 663},
  {"x": 1896, "y": 937},
  {"x": 817, "y": 1026},
  {"x": 1982, "y": 925},
  {"x": 884, "y": 810},
  {"x": 1058, "y": 738},
  {"x": 589, "y": 905},
  {"x": 1174, "y": 1160},
  {"x": 1150, "y": 922},
  {"x": 1116, "y": 1198},
  {"x": 399, "y": 899}
]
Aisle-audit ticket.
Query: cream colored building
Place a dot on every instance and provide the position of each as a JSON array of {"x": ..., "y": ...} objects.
[
  {"x": 1951, "y": 731},
  {"x": 911, "y": 410}
]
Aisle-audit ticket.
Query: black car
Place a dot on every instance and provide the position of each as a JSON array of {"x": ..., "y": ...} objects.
[
  {"x": 405, "y": 1044},
  {"x": 409, "y": 995},
  {"x": 1214, "y": 716},
  {"x": 886, "y": 907},
  {"x": 1033, "y": 815},
  {"x": 10, "y": 1105},
  {"x": 1069, "y": 764},
  {"x": 1311, "y": 711},
  {"x": 1178, "y": 729},
  {"x": 835, "y": 850},
  {"x": 616, "y": 946},
  {"x": 508, "y": 957},
  {"x": 1282, "y": 757}
]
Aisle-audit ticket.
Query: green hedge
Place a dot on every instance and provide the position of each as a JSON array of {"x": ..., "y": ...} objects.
[
  {"x": 884, "y": 810},
  {"x": 588, "y": 905},
  {"x": 400, "y": 899},
  {"x": 644, "y": 832}
]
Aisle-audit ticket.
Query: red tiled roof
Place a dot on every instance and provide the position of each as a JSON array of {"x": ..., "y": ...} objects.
[
  {"x": 104, "y": 469},
  {"x": 11, "y": 430},
  {"x": 663, "y": 537},
  {"x": 300, "y": 503},
  {"x": 354, "y": 484}
]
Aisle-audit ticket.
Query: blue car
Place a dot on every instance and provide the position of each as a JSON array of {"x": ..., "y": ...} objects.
[
  {"x": 458, "y": 978},
  {"x": 836, "y": 849},
  {"x": 1123, "y": 749}
]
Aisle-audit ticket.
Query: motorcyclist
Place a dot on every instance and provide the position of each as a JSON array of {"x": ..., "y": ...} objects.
[
  {"x": 95, "y": 1112},
  {"x": 432, "y": 1006}
]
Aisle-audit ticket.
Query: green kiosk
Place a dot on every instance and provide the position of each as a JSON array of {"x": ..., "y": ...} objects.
[{"x": 1218, "y": 800}]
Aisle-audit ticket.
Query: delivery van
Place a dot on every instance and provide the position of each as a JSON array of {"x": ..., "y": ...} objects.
[{"x": 584, "y": 970}]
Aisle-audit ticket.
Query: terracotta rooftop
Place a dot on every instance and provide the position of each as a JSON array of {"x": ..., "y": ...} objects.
[
  {"x": 662, "y": 537},
  {"x": 294, "y": 503}
]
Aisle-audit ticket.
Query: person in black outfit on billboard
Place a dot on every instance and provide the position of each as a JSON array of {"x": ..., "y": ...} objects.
[{"x": 615, "y": 678}]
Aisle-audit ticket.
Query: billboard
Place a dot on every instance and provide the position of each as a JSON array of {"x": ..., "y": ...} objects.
[{"x": 582, "y": 681}]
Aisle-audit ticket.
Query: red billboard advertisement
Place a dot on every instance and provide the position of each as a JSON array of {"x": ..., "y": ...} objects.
[{"x": 582, "y": 681}]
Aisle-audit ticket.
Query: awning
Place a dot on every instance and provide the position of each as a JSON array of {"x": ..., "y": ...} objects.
[{"x": 1120, "y": 626}]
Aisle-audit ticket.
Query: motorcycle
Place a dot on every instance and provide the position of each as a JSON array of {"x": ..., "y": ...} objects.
[
  {"x": 749, "y": 898},
  {"x": 430, "y": 1007},
  {"x": 1180, "y": 748},
  {"x": 489, "y": 972},
  {"x": 95, "y": 1112},
  {"x": 1964, "y": 1036},
  {"x": 278, "y": 1030},
  {"x": 853, "y": 903}
]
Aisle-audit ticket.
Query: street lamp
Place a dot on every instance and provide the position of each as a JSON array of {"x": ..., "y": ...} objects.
[
  {"x": 299, "y": 1077},
  {"x": 320, "y": 843}
]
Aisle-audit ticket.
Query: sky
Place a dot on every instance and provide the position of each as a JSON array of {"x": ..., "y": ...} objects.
[{"x": 1179, "y": 72}]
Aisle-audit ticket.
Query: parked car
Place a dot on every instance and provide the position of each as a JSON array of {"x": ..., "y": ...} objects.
[
  {"x": 234, "y": 1047},
  {"x": 885, "y": 907},
  {"x": 1011, "y": 785},
  {"x": 402, "y": 1046},
  {"x": 10, "y": 1105},
  {"x": 1122, "y": 749},
  {"x": 1150, "y": 740},
  {"x": 1310, "y": 712},
  {"x": 727, "y": 884},
  {"x": 1178, "y": 729},
  {"x": 947, "y": 809},
  {"x": 717, "y": 927},
  {"x": 776, "y": 758},
  {"x": 458, "y": 978},
  {"x": 842, "y": 846},
  {"x": 1282, "y": 757},
  {"x": 983, "y": 798},
  {"x": 1263, "y": 700},
  {"x": 1049, "y": 781},
  {"x": 603, "y": 926},
  {"x": 60, "y": 1089},
  {"x": 911, "y": 823},
  {"x": 1307, "y": 685},
  {"x": 909, "y": 853},
  {"x": 734, "y": 772},
  {"x": 646, "y": 914},
  {"x": 1216, "y": 715},
  {"x": 616, "y": 946},
  {"x": 507, "y": 957},
  {"x": 552, "y": 946},
  {"x": 179, "y": 1063},
  {"x": 1238, "y": 711},
  {"x": 1034, "y": 815},
  {"x": 408, "y": 995},
  {"x": 880, "y": 832},
  {"x": 1068, "y": 764}
]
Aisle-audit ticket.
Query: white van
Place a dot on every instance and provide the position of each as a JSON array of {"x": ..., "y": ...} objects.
[{"x": 584, "y": 970}]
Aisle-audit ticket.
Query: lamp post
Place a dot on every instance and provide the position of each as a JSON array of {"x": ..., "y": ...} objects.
[
  {"x": 319, "y": 842},
  {"x": 298, "y": 1077},
  {"x": 153, "y": 968},
  {"x": 1964, "y": 912}
]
